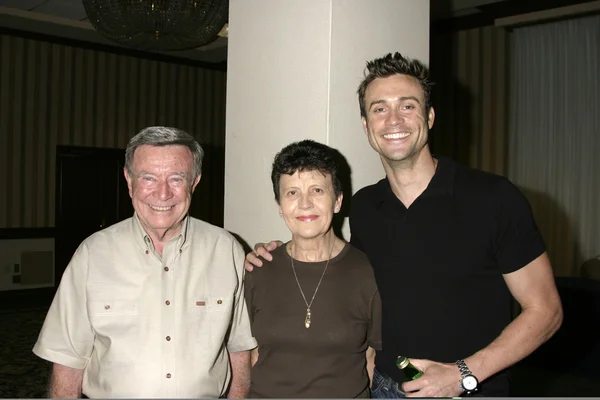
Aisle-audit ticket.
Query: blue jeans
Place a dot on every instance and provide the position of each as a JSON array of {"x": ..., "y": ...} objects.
[{"x": 385, "y": 387}]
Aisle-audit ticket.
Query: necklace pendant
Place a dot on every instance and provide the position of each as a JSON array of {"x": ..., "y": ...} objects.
[{"x": 307, "y": 319}]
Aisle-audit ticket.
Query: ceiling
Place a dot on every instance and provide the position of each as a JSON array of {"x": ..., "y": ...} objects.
[{"x": 67, "y": 19}]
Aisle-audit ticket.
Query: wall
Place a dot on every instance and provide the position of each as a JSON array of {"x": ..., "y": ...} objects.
[
  {"x": 26, "y": 263},
  {"x": 57, "y": 94},
  {"x": 294, "y": 75}
]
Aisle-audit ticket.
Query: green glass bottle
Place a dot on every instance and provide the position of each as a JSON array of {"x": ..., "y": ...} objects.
[{"x": 410, "y": 371}]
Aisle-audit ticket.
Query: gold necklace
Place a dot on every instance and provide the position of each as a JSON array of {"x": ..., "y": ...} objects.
[{"x": 307, "y": 319}]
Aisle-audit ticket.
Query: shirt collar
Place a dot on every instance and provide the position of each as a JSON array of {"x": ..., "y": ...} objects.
[
  {"x": 143, "y": 239},
  {"x": 441, "y": 184}
]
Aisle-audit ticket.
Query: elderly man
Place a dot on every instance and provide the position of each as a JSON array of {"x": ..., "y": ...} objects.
[
  {"x": 449, "y": 246},
  {"x": 152, "y": 306}
]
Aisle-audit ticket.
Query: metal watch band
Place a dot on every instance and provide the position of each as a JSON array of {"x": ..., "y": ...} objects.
[{"x": 462, "y": 367}]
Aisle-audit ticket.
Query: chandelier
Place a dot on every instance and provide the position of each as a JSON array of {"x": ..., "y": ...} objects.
[{"x": 158, "y": 24}]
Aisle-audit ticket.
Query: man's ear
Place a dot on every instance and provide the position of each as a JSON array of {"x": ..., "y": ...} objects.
[
  {"x": 196, "y": 182},
  {"x": 365, "y": 126},
  {"x": 129, "y": 182},
  {"x": 431, "y": 117}
]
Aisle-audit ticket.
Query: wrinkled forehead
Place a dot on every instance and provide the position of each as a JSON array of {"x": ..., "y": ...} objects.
[
  {"x": 175, "y": 155},
  {"x": 176, "y": 150}
]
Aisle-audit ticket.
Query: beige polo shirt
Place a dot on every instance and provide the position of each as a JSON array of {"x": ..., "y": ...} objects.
[{"x": 141, "y": 325}]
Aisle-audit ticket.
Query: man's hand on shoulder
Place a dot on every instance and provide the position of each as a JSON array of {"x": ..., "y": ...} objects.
[{"x": 263, "y": 250}]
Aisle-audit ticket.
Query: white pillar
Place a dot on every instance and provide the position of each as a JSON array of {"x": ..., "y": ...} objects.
[{"x": 292, "y": 73}]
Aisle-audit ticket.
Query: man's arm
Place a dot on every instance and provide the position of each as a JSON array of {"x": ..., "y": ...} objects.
[
  {"x": 240, "y": 340},
  {"x": 67, "y": 336},
  {"x": 240, "y": 374},
  {"x": 370, "y": 355},
  {"x": 260, "y": 249},
  {"x": 253, "y": 356},
  {"x": 65, "y": 382},
  {"x": 533, "y": 287}
]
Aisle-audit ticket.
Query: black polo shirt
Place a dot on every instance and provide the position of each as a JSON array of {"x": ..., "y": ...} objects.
[{"x": 439, "y": 263}]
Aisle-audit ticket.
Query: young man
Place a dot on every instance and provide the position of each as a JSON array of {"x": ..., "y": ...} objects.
[{"x": 449, "y": 246}]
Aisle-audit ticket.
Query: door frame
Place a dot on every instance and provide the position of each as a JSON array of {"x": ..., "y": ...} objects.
[{"x": 63, "y": 152}]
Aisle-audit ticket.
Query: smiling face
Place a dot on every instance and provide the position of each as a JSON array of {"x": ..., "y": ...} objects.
[
  {"x": 161, "y": 188},
  {"x": 397, "y": 123},
  {"x": 307, "y": 203}
]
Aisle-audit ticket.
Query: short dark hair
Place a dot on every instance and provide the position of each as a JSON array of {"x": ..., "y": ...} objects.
[
  {"x": 306, "y": 155},
  {"x": 394, "y": 64},
  {"x": 164, "y": 136}
]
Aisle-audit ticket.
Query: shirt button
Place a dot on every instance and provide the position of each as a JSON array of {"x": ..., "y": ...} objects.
[
  {"x": 168, "y": 338},
  {"x": 168, "y": 302},
  {"x": 168, "y": 376},
  {"x": 219, "y": 301},
  {"x": 147, "y": 252},
  {"x": 166, "y": 268},
  {"x": 106, "y": 307},
  {"x": 180, "y": 251}
]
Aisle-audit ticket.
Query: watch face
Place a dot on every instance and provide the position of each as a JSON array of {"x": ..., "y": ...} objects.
[{"x": 469, "y": 382}]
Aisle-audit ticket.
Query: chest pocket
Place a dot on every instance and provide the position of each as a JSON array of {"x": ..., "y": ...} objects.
[
  {"x": 114, "y": 308},
  {"x": 117, "y": 327},
  {"x": 211, "y": 304}
]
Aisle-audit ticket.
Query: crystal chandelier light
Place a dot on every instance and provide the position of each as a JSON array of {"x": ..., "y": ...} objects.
[{"x": 158, "y": 24}]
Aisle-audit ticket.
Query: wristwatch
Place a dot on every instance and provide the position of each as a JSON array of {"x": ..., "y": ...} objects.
[{"x": 468, "y": 382}]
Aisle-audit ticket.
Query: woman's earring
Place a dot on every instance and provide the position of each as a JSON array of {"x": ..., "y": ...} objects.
[{"x": 280, "y": 214}]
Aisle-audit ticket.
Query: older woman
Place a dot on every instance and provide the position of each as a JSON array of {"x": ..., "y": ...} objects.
[{"x": 315, "y": 309}]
